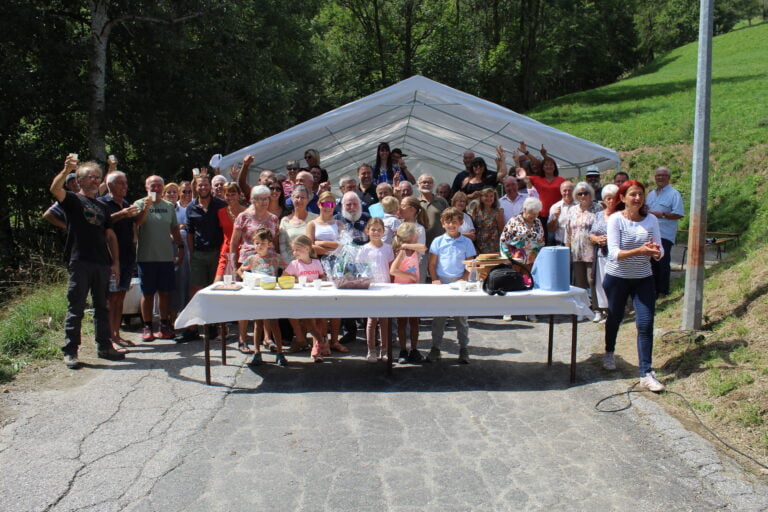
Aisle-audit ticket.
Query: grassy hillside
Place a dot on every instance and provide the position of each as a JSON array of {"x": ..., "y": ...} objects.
[{"x": 649, "y": 118}]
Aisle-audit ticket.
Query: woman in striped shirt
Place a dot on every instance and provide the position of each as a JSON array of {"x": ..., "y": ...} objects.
[{"x": 633, "y": 239}]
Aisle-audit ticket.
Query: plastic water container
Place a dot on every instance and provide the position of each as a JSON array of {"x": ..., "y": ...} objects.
[{"x": 552, "y": 269}]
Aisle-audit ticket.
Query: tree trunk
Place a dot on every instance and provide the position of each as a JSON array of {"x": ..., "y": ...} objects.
[
  {"x": 380, "y": 44},
  {"x": 408, "y": 50},
  {"x": 97, "y": 72}
]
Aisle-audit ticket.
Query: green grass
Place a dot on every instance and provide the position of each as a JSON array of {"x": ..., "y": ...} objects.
[
  {"x": 30, "y": 326},
  {"x": 649, "y": 118},
  {"x": 721, "y": 383}
]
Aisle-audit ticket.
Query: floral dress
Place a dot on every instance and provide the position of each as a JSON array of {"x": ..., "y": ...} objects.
[
  {"x": 486, "y": 231},
  {"x": 577, "y": 232},
  {"x": 521, "y": 240},
  {"x": 248, "y": 225}
]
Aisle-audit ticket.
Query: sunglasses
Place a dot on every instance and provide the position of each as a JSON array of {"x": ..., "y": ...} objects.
[
  {"x": 186, "y": 191},
  {"x": 583, "y": 194},
  {"x": 292, "y": 168},
  {"x": 327, "y": 204},
  {"x": 275, "y": 188}
]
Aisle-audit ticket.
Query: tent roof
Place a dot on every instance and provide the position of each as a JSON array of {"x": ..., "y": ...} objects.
[{"x": 432, "y": 123}]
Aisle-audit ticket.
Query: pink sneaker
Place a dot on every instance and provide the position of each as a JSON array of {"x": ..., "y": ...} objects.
[{"x": 146, "y": 334}]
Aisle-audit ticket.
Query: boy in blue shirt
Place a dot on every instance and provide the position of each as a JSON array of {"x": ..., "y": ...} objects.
[{"x": 445, "y": 266}]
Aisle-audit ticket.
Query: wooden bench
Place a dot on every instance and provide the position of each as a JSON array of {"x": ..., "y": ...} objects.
[{"x": 719, "y": 242}]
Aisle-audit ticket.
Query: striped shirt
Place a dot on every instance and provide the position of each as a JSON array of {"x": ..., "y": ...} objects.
[{"x": 623, "y": 235}]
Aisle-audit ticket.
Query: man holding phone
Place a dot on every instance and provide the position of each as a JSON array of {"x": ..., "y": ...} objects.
[{"x": 93, "y": 256}]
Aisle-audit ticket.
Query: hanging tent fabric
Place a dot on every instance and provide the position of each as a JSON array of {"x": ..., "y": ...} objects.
[{"x": 432, "y": 123}]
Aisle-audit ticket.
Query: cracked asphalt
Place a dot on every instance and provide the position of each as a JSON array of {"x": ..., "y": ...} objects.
[{"x": 504, "y": 433}]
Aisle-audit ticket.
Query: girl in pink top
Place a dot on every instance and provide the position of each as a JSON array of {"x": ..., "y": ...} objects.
[
  {"x": 378, "y": 255},
  {"x": 405, "y": 270},
  {"x": 305, "y": 263}
]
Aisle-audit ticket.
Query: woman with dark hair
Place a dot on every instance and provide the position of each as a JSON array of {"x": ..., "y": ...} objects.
[
  {"x": 633, "y": 239},
  {"x": 480, "y": 177},
  {"x": 385, "y": 170},
  {"x": 276, "y": 198},
  {"x": 547, "y": 184}
]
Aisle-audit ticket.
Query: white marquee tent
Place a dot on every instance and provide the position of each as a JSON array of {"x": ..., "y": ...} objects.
[{"x": 432, "y": 123}]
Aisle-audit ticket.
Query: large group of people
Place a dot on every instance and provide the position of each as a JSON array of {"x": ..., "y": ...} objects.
[{"x": 181, "y": 237}]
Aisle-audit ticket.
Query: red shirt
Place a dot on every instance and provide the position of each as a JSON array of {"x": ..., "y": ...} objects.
[{"x": 549, "y": 193}]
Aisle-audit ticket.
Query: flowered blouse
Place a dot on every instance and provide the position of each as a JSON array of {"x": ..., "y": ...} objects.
[
  {"x": 248, "y": 225},
  {"x": 521, "y": 240},
  {"x": 486, "y": 230},
  {"x": 577, "y": 232}
]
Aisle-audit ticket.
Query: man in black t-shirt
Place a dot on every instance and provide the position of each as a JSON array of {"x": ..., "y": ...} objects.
[{"x": 93, "y": 257}]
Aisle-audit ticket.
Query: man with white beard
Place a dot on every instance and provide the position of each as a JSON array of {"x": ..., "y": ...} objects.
[
  {"x": 353, "y": 217},
  {"x": 433, "y": 205}
]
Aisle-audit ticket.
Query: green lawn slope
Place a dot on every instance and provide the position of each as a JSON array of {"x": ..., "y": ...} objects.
[{"x": 648, "y": 117}]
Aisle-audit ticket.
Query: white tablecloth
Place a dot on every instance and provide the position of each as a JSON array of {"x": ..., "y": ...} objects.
[{"x": 381, "y": 300}]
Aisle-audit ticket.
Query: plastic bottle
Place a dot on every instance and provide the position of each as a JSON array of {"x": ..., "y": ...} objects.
[
  {"x": 113, "y": 284},
  {"x": 472, "y": 279}
]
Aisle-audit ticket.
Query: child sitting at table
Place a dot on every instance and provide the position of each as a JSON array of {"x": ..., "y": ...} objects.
[
  {"x": 267, "y": 262},
  {"x": 378, "y": 255},
  {"x": 405, "y": 270},
  {"x": 445, "y": 266},
  {"x": 305, "y": 265}
]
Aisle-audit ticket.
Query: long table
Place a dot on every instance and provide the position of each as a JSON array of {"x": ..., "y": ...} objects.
[{"x": 211, "y": 306}]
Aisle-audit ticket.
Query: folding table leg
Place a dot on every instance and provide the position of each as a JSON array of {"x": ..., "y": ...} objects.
[
  {"x": 207, "y": 347},
  {"x": 574, "y": 330},
  {"x": 223, "y": 344},
  {"x": 389, "y": 352},
  {"x": 551, "y": 338}
]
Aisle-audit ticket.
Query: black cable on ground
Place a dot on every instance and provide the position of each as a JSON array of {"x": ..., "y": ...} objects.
[{"x": 632, "y": 389}]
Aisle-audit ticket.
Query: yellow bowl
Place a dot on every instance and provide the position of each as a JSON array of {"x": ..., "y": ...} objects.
[
  {"x": 268, "y": 285},
  {"x": 286, "y": 282}
]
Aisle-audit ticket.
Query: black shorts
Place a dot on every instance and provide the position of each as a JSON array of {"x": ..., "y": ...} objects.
[{"x": 156, "y": 276}]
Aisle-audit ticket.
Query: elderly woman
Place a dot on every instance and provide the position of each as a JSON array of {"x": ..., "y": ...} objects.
[
  {"x": 460, "y": 201},
  {"x": 488, "y": 220},
  {"x": 247, "y": 223},
  {"x": 523, "y": 236},
  {"x": 295, "y": 224},
  {"x": 577, "y": 228},
  {"x": 598, "y": 236}
]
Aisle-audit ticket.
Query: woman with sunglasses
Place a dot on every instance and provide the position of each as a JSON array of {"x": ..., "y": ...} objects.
[
  {"x": 577, "y": 227},
  {"x": 324, "y": 232},
  {"x": 480, "y": 177},
  {"x": 276, "y": 198}
]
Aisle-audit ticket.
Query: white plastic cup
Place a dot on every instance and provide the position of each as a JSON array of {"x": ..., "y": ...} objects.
[
  {"x": 302, "y": 280},
  {"x": 317, "y": 283},
  {"x": 462, "y": 286},
  {"x": 153, "y": 195},
  {"x": 227, "y": 278}
]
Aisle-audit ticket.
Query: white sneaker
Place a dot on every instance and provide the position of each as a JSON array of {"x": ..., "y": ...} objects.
[
  {"x": 507, "y": 318},
  {"x": 371, "y": 357},
  {"x": 651, "y": 383},
  {"x": 382, "y": 353},
  {"x": 597, "y": 317},
  {"x": 609, "y": 361}
]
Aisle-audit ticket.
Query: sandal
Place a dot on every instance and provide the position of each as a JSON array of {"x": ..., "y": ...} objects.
[
  {"x": 270, "y": 345},
  {"x": 317, "y": 352},
  {"x": 338, "y": 347},
  {"x": 117, "y": 348},
  {"x": 243, "y": 348},
  {"x": 123, "y": 342},
  {"x": 297, "y": 346}
]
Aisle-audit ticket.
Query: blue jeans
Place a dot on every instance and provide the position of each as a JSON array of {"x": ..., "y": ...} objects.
[
  {"x": 661, "y": 268},
  {"x": 85, "y": 277},
  {"x": 643, "y": 293}
]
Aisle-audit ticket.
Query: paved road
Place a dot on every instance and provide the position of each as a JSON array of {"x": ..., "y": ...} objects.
[{"x": 504, "y": 433}]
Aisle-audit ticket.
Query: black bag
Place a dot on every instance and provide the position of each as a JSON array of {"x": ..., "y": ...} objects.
[{"x": 508, "y": 277}]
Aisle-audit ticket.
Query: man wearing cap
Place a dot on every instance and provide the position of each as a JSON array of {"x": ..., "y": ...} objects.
[
  {"x": 92, "y": 254},
  {"x": 666, "y": 204},
  {"x": 55, "y": 214},
  {"x": 593, "y": 178},
  {"x": 397, "y": 159}
]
